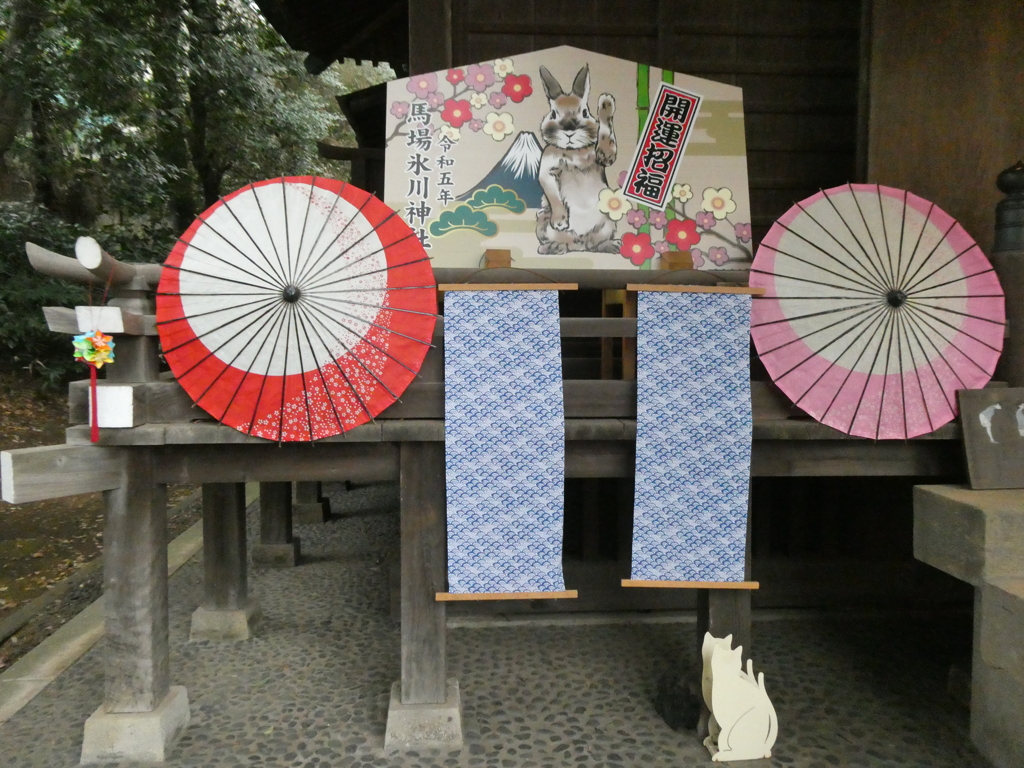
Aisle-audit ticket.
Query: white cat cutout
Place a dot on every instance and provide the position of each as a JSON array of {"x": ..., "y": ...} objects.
[{"x": 743, "y": 724}]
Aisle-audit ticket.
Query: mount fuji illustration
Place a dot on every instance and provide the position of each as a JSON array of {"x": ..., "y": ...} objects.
[{"x": 516, "y": 171}]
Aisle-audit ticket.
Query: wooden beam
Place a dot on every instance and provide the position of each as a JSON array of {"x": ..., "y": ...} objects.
[
  {"x": 507, "y": 287},
  {"x": 105, "y": 267},
  {"x": 691, "y": 584},
  {"x": 53, "y": 471},
  {"x": 447, "y": 597},
  {"x": 695, "y": 288},
  {"x": 430, "y": 37}
]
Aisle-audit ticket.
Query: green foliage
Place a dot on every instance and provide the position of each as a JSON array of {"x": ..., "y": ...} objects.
[
  {"x": 463, "y": 217},
  {"x": 496, "y": 196},
  {"x": 137, "y": 114},
  {"x": 26, "y": 343}
]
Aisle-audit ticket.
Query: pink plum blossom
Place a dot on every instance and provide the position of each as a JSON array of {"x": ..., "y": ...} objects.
[
  {"x": 497, "y": 100},
  {"x": 421, "y": 85},
  {"x": 400, "y": 109},
  {"x": 663, "y": 246},
  {"x": 480, "y": 77},
  {"x": 435, "y": 99},
  {"x": 475, "y": 124},
  {"x": 743, "y": 233},
  {"x": 658, "y": 219},
  {"x": 698, "y": 257},
  {"x": 636, "y": 218},
  {"x": 718, "y": 255},
  {"x": 705, "y": 220}
]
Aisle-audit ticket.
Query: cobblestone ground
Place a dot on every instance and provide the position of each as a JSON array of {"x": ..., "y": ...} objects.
[{"x": 312, "y": 688}]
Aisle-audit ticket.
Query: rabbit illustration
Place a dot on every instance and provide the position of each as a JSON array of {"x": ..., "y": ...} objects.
[{"x": 578, "y": 148}]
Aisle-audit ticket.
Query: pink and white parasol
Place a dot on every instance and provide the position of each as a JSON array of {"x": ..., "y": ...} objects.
[{"x": 878, "y": 307}]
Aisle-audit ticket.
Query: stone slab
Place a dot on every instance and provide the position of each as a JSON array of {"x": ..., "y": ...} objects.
[
  {"x": 277, "y": 555},
  {"x": 225, "y": 625},
  {"x": 997, "y": 715},
  {"x": 975, "y": 536},
  {"x": 310, "y": 513},
  {"x": 1000, "y": 629},
  {"x": 140, "y": 736},
  {"x": 424, "y": 726}
]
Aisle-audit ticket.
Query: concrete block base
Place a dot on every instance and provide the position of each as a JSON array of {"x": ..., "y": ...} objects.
[
  {"x": 224, "y": 625},
  {"x": 422, "y": 726},
  {"x": 277, "y": 555},
  {"x": 313, "y": 513},
  {"x": 145, "y": 737}
]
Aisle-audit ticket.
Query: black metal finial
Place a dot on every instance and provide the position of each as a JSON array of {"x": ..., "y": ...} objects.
[
  {"x": 291, "y": 294},
  {"x": 896, "y": 298}
]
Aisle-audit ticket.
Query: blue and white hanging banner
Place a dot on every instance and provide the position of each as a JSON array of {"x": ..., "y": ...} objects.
[
  {"x": 693, "y": 434},
  {"x": 504, "y": 441}
]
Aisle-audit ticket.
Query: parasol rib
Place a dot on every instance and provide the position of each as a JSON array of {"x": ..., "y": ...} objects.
[
  {"x": 931, "y": 367},
  {"x": 342, "y": 267},
  {"x": 327, "y": 218},
  {"x": 917, "y": 372},
  {"x": 349, "y": 350},
  {"x": 917, "y": 244},
  {"x": 926, "y": 311},
  {"x": 877, "y": 320},
  {"x": 341, "y": 370},
  {"x": 860, "y": 283},
  {"x": 871, "y": 237},
  {"x": 305, "y": 221},
  {"x": 211, "y": 330},
  {"x": 218, "y": 310},
  {"x": 263, "y": 381},
  {"x": 290, "y": 311},
  {"x": 323, "y": 311},
  {"x": 256, "y": 331},
  {"x": 910, "y": 288},
  {"x": 815, "y": 353},
  {"x": 268, "y": 311},
  {"x": 910, "y": 277},
  {"x": 869, "y": 279},
  {"x": 872, "y": 308},
  {"x": 322, "y": 283},
  {"x": 870, "y": 272},
  {"x": 1000, "y": 323},
  {"x": 375, "y": 325},
  {"x": 814, "y": 282},
  {"x": 309, "y": 268},
  {"x": 885, "y": 379},
  {"x": 885, "y": 239},
  {"x": 218, "y": 277},
  {"x": 867, "y": 256},
  {"x": 871, "y": 370},
  {"x": 259, "y": 207},
  {"x": 952, "y": 282},
  {"x": 272, "y": 276},
  {"x": 252, "y": 240},
  {"x": 323, "y": 381},
  {"x": 287, "y": 235},
  {"x": 245, "y": 374},
  {"x": 920, "y": 325}
]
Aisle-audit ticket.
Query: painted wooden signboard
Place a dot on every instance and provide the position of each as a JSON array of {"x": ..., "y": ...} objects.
[{"x": 571, "y": 160}]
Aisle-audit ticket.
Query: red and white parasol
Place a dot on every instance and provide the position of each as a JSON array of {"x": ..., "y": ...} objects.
[
  {"x": 296, "y": 308},
  {"x": 878, "y": 307}
]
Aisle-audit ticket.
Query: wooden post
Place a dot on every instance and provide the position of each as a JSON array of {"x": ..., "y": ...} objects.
[
  {"x": 277, "y": 547},
  {"x": 226, "y": 612},
  {"x": 142, "y": 714},
  {"x": 309, "y": 507},
  {"x": 137, "y": 668},
  {"x": 430, "y": 35},
  {"x": 424, "y": 572},
  {"x": 629, "y": 344},
  {"x": 226, "y": 585}
]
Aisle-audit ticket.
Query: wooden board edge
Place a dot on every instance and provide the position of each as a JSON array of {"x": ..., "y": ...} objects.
[
  {"x": 448, "y": 597},
  {"x": 508, "y": 286},
  {"x": 695, "y": 288},
  {"x": 691, "y": 584}
]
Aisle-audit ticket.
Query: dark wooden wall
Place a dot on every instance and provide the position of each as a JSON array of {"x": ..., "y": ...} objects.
[
  {"x": 947, "y": 115},
  {"x": 798, "y": 63}
]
